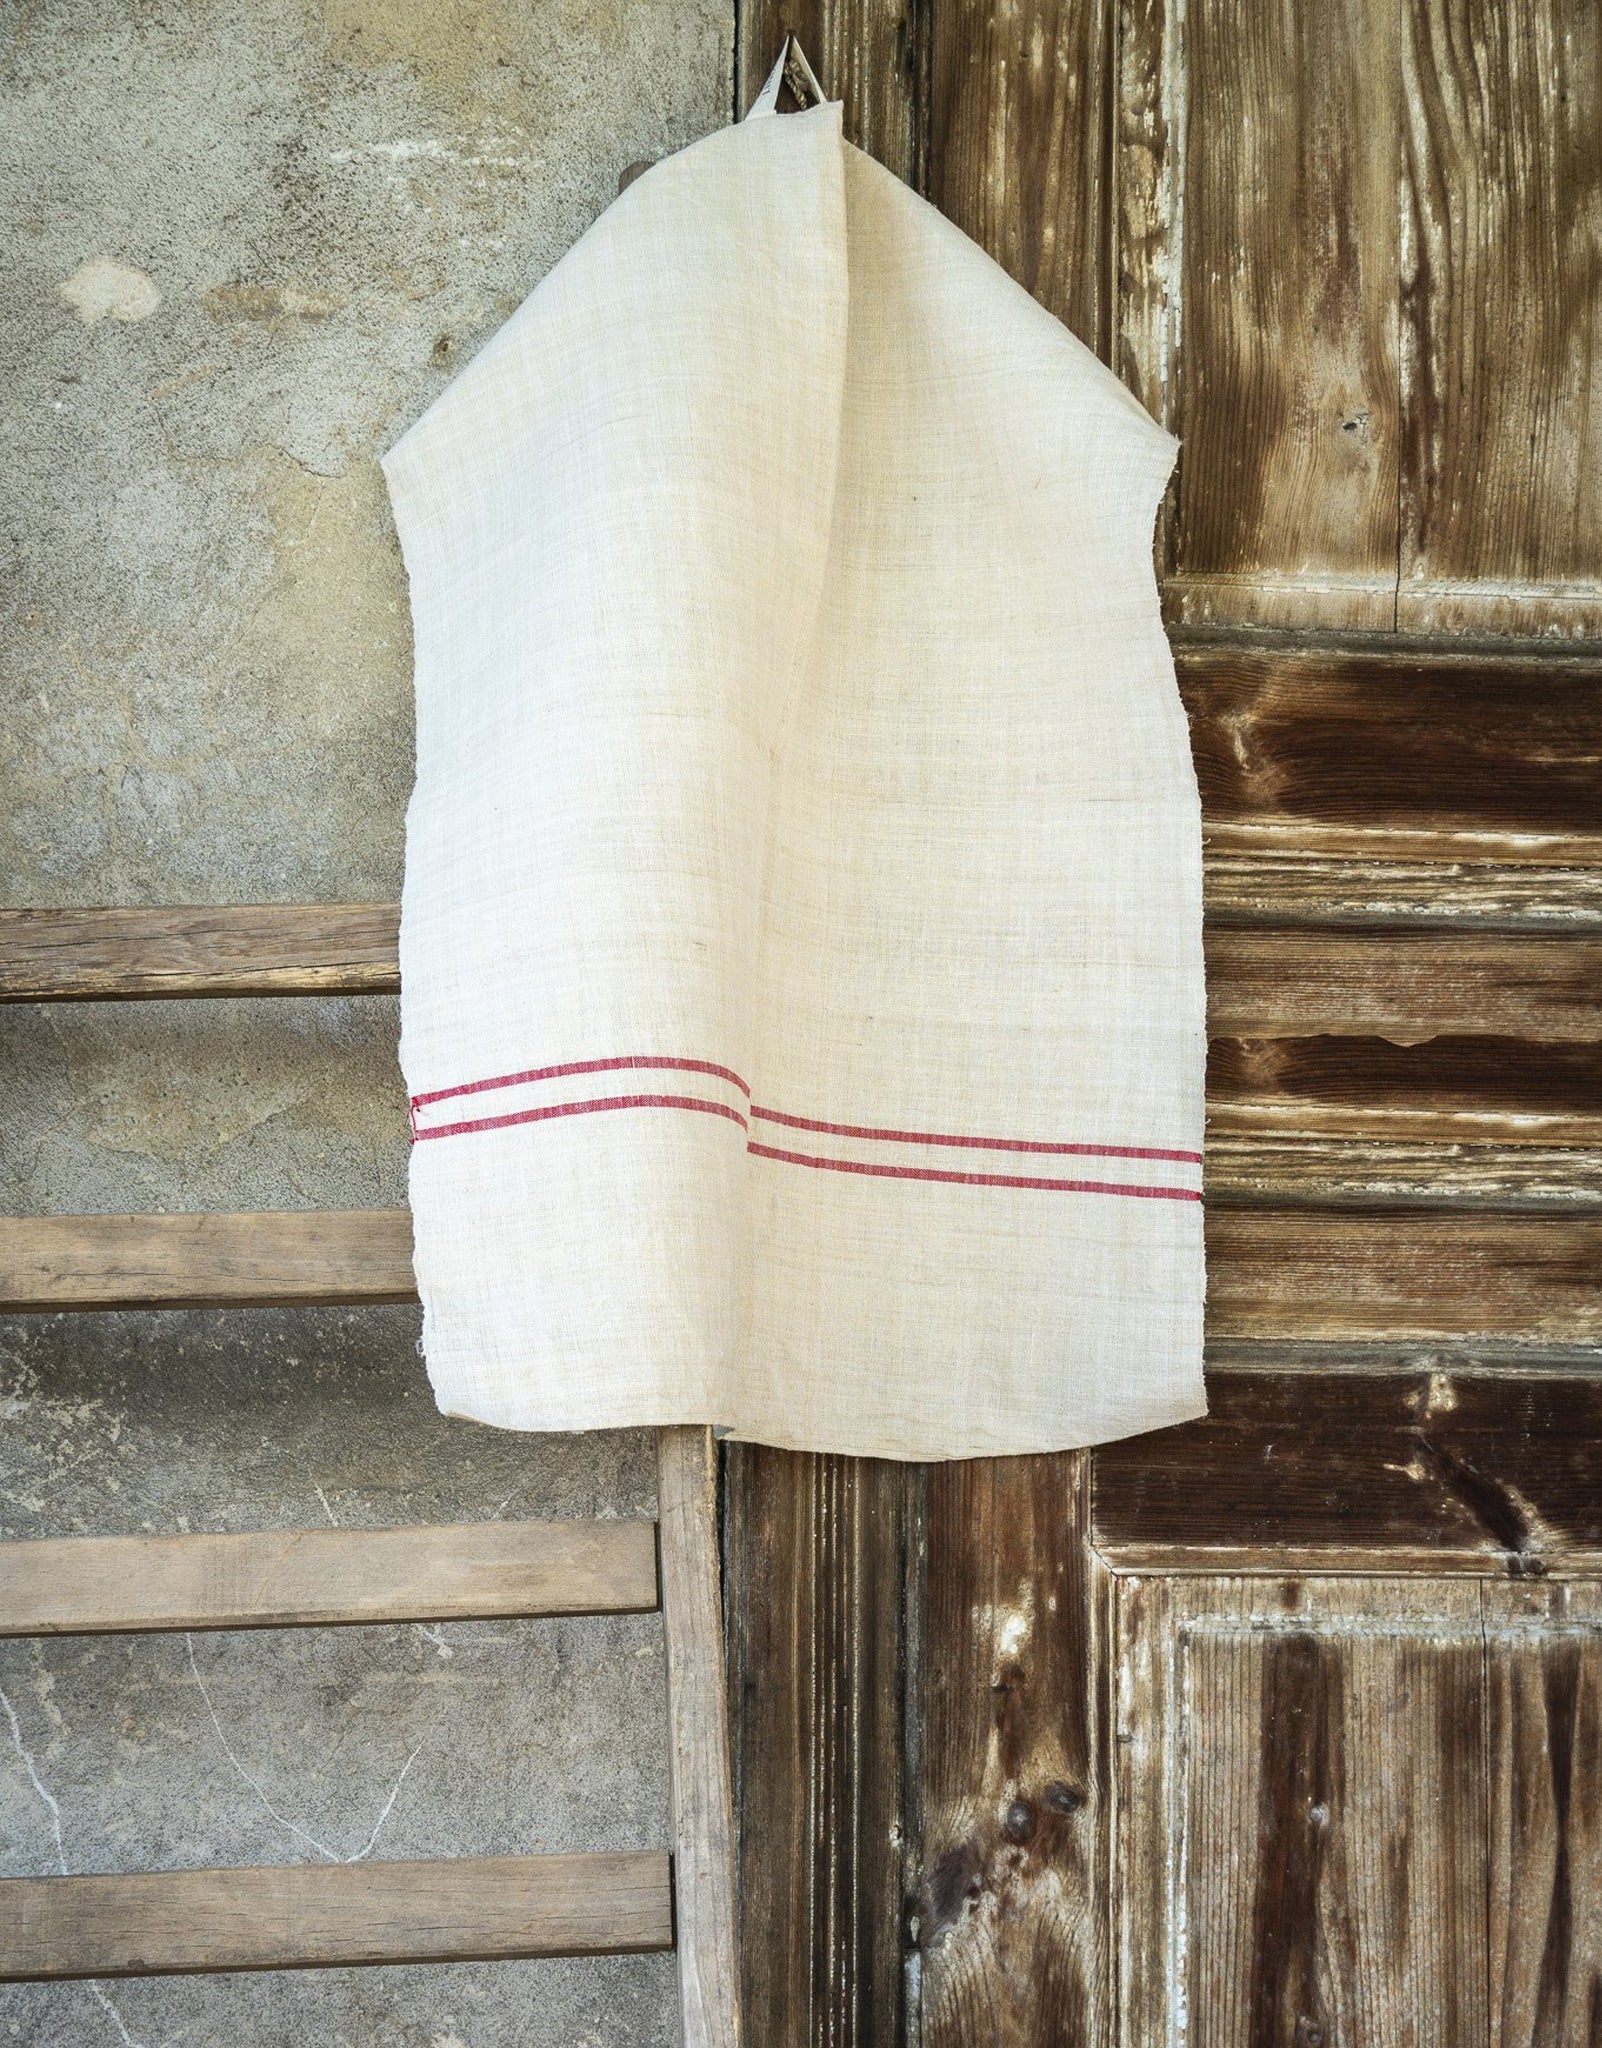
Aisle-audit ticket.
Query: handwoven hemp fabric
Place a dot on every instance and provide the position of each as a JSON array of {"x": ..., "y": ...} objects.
[{"x": 801, "y": 973}]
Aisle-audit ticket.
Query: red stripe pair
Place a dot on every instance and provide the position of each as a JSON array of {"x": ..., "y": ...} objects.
[{"x": 877, "y": 1169}]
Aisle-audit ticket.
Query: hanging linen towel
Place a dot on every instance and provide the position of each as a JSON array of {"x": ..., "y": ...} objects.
[{"x": 801, "y": 972}]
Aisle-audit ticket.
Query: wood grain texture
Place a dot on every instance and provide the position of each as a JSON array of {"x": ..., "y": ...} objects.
[
  {"x": 1010, "y": 1909},
  {"x": 1019, "y": 134},
  {"x": 1279, "y": 350},
  {"x": 1302, "y": 1852},
  {"x": 822, "y": 1629},
  {"x": 1403, "y": 986},
  {"x": 1501, "y": 318},
  {"x": 1447, "y": 754},
  {"x": 324, "y": 1916},
  {"x": 1355, "y": 1276},
  {"x": 1278, "y": 1172},
  {"x": 698, "y": 1739},
  {"x": 303, "y": 1578},
  {"x": 277, "y": 949},
  {"x": 1429, "y": 1471},
  {"x": 1332, "y": 1276},
  {"x": 1451, "y": 1088},
  {"x": 1544, "y": 1678},
  {"x": 1262, "y": 885},
  {"x": 874, "y": 58},
  {"x": 100, "y": 1262},
  {"x": 1359, "y": 272}
]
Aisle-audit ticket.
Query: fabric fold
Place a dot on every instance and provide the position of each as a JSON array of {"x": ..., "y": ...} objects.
[{"x": 802, "y": 999}]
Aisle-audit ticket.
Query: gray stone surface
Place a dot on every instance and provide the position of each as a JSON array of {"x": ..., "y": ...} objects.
[
  {"x": 124, "y": 1753},
  {"x": 246, "y": 244}
]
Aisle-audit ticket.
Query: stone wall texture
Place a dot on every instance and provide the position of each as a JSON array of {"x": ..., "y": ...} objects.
[{"x": 248, "y": 241}]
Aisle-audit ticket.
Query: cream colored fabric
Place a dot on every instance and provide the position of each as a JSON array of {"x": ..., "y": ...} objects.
[{"x": 802, "y": 994}]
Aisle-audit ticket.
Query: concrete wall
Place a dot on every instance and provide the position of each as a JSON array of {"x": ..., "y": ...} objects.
[{"x": 247, "y": 244}]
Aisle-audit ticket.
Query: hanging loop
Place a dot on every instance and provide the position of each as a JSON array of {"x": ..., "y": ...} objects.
[{"x": 792, "y": 70}]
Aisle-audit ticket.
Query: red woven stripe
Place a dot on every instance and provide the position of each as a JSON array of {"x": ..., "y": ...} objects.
[
  {"x": 869, "y": 1133},
  {"x": 807, "y": 1123},
  {"x": 977, "y": 1180},
  {"x": 580, "y": 1067},
  {"x": 536, "y": 1116}
]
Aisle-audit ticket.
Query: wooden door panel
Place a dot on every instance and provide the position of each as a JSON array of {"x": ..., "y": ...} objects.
[
  {"x": 1357, "y": 262},
  {"x": 1302, "y": 1813},
  {"x": 1283, "y": 264},
  {"x": 1501, "y": 318}
]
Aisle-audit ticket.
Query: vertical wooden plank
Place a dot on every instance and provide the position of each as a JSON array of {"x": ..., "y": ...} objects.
[
  {"x": 819, "y": 1552},
  {"x": 1281, "y": 375},
  {"x": 1501, "y": 318},
  {"x": 698, "y": 1739},
  {"x": 871, "y": 54},
  {"x": 1019, "y": 138},
  {"x": 1544, "y": 1668},
  {"x": 1141, "y": 1882},
  {"x": 1147, "y": 217},
  {"x": 1011, "y": 1905}
]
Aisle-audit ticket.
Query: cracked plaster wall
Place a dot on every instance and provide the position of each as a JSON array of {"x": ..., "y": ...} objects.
[{"x": 246, "y": 245}]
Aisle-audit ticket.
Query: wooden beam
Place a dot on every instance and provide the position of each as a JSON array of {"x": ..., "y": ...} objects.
[
  {"x": 1338, "y": 1275},
  {"x": 1403, "y": 986},
  {"x": 1449, "y": 1088},
  {"x": 324, "y": 1916},
  {"x": 275, "y": 949},
  {"x": 304, "y": 1578},
  {"x": 1430, "y": 1472},
  {"x": 1265, "y": 980},
  {"x": 698, "y": 1738},
  {"x": 1264, "y": 875},
  {"x": 1462, "y": 755},
  {"x": 103, "y": 1262},
  {"x": 1292, "y": 1167}
]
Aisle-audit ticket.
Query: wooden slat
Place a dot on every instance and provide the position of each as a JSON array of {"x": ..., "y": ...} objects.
[
  {"x": 1501, "y": 319},
  {"x": 277, "y": 949},
  {"x": 1467, "y": 980},
  {"x": 1338, "y": 1276},
  {"x": 1403, "y": 986},
  {"x": 1011, "y": 1902},
  {"x": 1248, "y": 879},
  {"x": 1441, "y": 755},
  {"x": 1372, "y": 1277},
  {"x": 101, "y": 1262},
  {"x": 1428, "y": 1472},
  {"x": 322, "y": 1916},
  {"x": 698, "y": 1739},
  {"x": 1020, "y": 102},
  {"x": 820, "y": 1554},
  {"x": 302, "y": 1578},
  {"x": 1332, "y": 1171},
  {"x": 1452, "y": 1088}
]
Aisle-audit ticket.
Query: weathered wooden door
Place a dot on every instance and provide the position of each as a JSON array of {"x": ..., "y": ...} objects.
[{"x": 1284, "y": 1728}]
